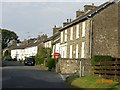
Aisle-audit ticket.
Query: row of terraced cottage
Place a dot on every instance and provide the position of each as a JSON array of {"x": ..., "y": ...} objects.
[{"x": 95, "y": 31}]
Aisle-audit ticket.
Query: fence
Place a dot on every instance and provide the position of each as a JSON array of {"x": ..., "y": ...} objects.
[{"x": 108, "y": 69}]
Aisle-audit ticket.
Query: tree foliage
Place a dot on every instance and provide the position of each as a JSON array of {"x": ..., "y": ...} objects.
[
  {"x": 7, "y": 36},
  {"x": 7, "y": 53},
  {"x": 43, "y": 55},
  {"x": 51, "y": 64}
]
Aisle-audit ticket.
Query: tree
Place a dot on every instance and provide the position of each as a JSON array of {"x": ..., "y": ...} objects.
[
  {"x": 7, "y": 36},
  {"x": 43, "y": 55},
  {"x": 6, "y": 53}
]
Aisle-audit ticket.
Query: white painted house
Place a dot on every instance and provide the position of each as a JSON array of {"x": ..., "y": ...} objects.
[
  {"x": 31, "y": 51},
  {"x": 48, "y": 43},
  {"x": 20, "y": 52}
]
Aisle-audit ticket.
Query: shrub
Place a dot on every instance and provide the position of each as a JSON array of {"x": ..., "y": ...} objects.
[
  {"x": 6, "y": 53},
  {"x": 39, "y": 60},
  {"x": 51, "y": 64},
  {"x": 14, "y": 59},
  {"x": 98, "y": 58},
  {"x": 43, "y": 55}
]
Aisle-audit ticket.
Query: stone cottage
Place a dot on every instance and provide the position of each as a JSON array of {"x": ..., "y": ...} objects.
[
  {"x": 95, "y": 31},
  {"x": 56, "y": 40}
]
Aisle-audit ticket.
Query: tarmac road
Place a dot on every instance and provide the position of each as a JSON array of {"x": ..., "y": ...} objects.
[{"x": 29, "y": 77}]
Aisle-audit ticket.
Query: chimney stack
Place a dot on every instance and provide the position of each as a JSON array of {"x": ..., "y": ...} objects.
[
  {"x": 79, "y": 13},
  {"x": 89, "y": 7},
  {"x": 55, "y": 29},
  {"x": 70, "y": 20},
  {"x": 65, "y": 23}
]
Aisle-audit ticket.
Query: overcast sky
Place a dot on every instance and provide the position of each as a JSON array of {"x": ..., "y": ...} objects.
[{"x": 30, "y": 19}]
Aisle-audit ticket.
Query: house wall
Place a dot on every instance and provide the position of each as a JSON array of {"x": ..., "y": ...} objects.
[
  {"x": 70, "y": 63},
  {"x": 56, "y": 48},
  {"x": 63, "y": 50},
  {"x": 13, "y": 53},
  {"x": 119, "y": 29},
  {"x": 74, "y": 40},
  {"x": 48, "y": 44},
  {"x": 105, "y": 32},
  {"x": 30, "y": 51},
  {"x": 18, "y": 53}
]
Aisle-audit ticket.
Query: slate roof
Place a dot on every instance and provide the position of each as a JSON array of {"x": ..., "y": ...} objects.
[
  {"x": 48, "y": 39},
  {"x": 20, "y": 47},
  {"x": 56, "y": 34},
  {"x": 29, "y": 45},
  {"x": 89, "y": 14},
  {"x": 35, "y": 43}
]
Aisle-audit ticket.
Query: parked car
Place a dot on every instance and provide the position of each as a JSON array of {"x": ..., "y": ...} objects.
[
  {"x": 29, "y": 61},
  {"x": 7, "y": 58}
]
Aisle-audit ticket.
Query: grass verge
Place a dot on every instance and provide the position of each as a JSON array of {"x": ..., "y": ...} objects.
[{"x": 92, "y": 82}]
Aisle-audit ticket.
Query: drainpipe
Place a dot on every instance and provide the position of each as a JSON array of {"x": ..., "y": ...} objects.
[
  {"x": 91, "y": 31},
  {"x": 0, "y": 46}
]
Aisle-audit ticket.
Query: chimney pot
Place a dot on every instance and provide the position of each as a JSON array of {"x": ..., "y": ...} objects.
[{"x": 67, "y": 20}]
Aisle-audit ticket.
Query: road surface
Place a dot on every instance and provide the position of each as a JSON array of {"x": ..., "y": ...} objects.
[{"x": 29, "y": 77}]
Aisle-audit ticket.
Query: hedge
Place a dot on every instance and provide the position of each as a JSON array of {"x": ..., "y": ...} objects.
[
  {"x": 51, "y": 64},
  {"x": 98, "y": 58}
]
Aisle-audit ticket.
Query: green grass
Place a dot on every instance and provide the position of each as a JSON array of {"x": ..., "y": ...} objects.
[{"x": 91, "y": 82}]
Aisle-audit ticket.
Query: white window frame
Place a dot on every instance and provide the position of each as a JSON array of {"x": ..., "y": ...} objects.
[
  {"x": 70, "y": 51},
  {"x": 62, "y": 37},
  {"x": 77, "y": 31},
  {"x": 65, "y": 35},
  {"x": 83, "y": 50},
  {"x": 63, "y": 50},
  {"x": 83, "y": 29},
  {"x": 71, "y": 33},
  {"x": 76, "y": 50}
]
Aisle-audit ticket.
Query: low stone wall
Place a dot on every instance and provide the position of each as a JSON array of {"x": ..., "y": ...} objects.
[{"x": 67, "y": 66}]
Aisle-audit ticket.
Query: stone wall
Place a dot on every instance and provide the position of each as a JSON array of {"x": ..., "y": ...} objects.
[
  {"x": 73, "y": 66},
  {"x": 119, "y": 29},
  {"x": 87, "y": 39},
  {"x": 68, "y": 66},
  {"x": 105, "y": 32}
]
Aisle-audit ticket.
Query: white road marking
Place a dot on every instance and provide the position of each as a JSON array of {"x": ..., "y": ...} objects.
[{"x": 62, "y": 77}]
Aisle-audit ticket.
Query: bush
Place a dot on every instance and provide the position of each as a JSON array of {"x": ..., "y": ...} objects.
[
  {"x": 14, "y": 59},
  {"x": 98, "y": 58},
  {"x": 39, "y": 61},
  {"x": 51, "y": 64}
]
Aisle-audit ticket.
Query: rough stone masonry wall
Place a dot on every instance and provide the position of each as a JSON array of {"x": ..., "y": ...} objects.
[
  {"x": 119, "y": 29},
  {"x": 105, "y": 32},
  {"x": 73, "y": 66},
  {"x": 69, "y": 66},
  {"x": 87, "y": 39}
]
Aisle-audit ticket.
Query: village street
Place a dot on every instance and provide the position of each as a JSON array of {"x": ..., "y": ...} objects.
[{"x": 28, "y": 77}]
